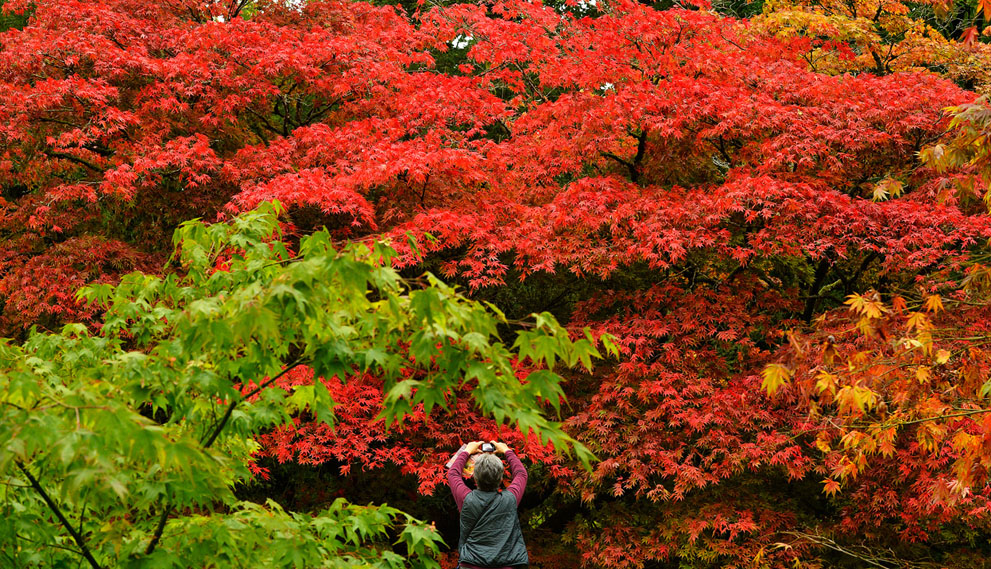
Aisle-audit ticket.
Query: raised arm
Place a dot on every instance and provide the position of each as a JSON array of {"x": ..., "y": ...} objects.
[
  {"x": 456, "y": 466},
  {"x": 518, "y": 485}
]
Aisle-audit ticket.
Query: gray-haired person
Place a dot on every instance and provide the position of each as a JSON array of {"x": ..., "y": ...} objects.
[{"x": 491, "y": 537}]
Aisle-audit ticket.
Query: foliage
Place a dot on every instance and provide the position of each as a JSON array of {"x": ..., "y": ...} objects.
[
  {"x": 897, "y": 392},
  {"x": 104, "y": 437},
  {"x": 886, "y": 37},
  {"x": 707, "y": 190}
]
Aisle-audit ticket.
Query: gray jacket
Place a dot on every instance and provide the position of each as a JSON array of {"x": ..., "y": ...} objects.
[{"x": 490, "y": 531}]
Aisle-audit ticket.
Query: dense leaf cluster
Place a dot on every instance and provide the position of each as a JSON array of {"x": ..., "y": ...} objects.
[
  {"x": 708, "y": 191},
  {"x": 124, "y": 447}
]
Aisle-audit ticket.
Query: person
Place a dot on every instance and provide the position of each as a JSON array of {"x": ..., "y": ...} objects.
[{"x": 490, "y": 537}]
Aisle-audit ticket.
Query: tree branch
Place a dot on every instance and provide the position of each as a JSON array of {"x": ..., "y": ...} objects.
[
  {"x": 208, "y": 442},
  {"x": 58, "y": 514},
  {"x": 71, "y": 158},
  {"x": 638, "y": 159},
  {"x": 861, "y": 553},
  {"x": 938, "y": 417},
  {"x": 813, "y": 299},
  {"x": 44, "y": 544},
  {"x": 633, "y": 166},
  {"x": 626, "y": 163},
  {"x": 230, "y": 408}
]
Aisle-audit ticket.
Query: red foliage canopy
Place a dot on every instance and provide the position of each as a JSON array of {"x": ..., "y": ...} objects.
[{"x": 672, "y": 177}]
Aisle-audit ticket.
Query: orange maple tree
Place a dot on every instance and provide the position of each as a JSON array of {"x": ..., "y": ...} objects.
[{"x": 884, "y": 37}]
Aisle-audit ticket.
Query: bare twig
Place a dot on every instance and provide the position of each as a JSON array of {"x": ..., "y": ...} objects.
[{"x": 862, "y": 553}]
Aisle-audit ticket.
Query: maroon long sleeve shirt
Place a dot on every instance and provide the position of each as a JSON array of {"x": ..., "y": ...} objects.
[{"x": 460, "y": 490}]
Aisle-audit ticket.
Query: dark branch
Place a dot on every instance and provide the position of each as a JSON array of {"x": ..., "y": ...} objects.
[
  {"x": 76, "y": 159},
  {"x": 612, "y": 156},
  {"x": 813, "y": 299},
  {"x": 209, "y": 440},
  {"x": 58, "y": 514},
  {"x": 633, "y": 166},
  {"x": 638, "y": 159},
  {"x": 230, "y": 408}
]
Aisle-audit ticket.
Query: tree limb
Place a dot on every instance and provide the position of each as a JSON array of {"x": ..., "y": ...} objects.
[
  {"x": 58, "y": 514},
  {"x": 860, "y": 552},
  {"x": 230, "y": 408},
  {"x": 208, "y": 441},
  {"x": 71, "y": 158}
]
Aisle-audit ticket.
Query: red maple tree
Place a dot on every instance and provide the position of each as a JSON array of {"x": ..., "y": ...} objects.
[{"x": 674, "y": 178}]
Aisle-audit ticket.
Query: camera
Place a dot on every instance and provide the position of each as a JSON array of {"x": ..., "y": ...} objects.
[{"x": 487, "y": 447}]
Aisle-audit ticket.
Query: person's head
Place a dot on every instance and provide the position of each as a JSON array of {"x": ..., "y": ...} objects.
[{"x": 488, "y": 472}]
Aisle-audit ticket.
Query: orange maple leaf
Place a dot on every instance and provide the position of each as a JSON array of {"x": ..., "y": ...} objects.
[
  {"x": 985, "y": 5},
  {"x": 968, "y": 36}
]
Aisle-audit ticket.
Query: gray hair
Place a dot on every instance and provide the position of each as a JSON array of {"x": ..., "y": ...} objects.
[{"x": 488, "y": 472}]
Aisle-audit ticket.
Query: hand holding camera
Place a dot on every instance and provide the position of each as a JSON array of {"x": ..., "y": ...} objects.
[{"x": 476, "y": 447}]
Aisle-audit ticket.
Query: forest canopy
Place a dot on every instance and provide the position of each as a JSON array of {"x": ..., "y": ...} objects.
[{"x": 720, "y": 273}]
